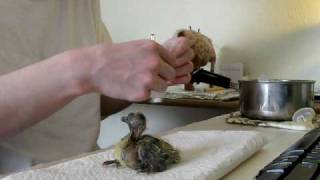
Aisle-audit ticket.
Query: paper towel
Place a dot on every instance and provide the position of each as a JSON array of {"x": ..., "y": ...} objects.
[{"x": 205, "y": 155}]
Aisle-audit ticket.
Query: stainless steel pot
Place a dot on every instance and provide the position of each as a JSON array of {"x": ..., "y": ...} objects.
[{"x": 274, "y": 99}]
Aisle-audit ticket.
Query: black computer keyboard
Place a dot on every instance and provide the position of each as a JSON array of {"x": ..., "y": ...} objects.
[{"x": 301, "y": 161}]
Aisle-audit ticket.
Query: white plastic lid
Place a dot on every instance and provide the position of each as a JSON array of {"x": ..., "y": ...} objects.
[{"x": 303, "y": 115}]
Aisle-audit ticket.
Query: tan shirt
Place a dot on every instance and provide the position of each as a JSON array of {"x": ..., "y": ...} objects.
[{"x": 33, "y": 30}]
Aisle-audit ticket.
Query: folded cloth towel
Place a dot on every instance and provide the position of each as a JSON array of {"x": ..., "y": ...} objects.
[
  {"x": 204, "y": 155},
  {"x": 305, "y": 125}
]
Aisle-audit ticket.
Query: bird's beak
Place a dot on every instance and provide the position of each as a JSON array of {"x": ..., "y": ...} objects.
[{"x": 138, "y": 131}]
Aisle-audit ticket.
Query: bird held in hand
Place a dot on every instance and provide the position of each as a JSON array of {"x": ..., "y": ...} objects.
[{"x": 143, "y": 153}]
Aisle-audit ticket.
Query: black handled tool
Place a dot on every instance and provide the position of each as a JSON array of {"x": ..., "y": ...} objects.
[{"x": 208, "y": 77}]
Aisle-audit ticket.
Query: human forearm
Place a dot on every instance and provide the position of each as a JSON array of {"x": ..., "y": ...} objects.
[{"x": 33, "y": 93}]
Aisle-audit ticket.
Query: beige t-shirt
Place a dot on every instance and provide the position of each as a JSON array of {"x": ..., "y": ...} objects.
[{"x": 33, "y": 30}]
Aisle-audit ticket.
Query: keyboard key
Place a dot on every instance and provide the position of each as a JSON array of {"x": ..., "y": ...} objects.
[
  {"x": 309, "y": 165},
  {"x": 313, "y": 156},
  {"x": 293, "y": 153},
  {"x": 286, "y": 159},
  {"x": 278, "y": 170},
  {"x": 281, "y": 165},
  {"x": 314, "y": 150},
  {"x": 303, "y": 171},
  {"x": 313, "y": 161},
  {"x": 317, "y": 146},
  {"x": 269, "y": 176},
  {"x": 305, "y": 143}
]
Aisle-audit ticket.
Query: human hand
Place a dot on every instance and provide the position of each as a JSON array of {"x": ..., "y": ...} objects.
[
  {"x": 130, "y": 70},
  {"x": 180, "y": 47}
]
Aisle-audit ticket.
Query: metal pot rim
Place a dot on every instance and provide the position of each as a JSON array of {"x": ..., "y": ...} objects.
[{"x": 277, "y": 81}]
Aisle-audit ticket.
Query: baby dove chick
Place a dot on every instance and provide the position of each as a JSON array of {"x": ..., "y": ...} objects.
[
  {"x": 143, "y": 153},
  {"x": 202, "y": 47}
]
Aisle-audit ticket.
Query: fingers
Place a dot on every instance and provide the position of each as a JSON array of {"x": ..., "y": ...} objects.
[
  {"x": 181, "y": 49},
  {"x": 184, "y": 69},
  {"x": 131, "y": 70},
  {"x": 182, "y": 74},
  {"x": 159, "y": 84},
  {"x": 185, "y": 58},
  {"x": 166, "y": 71},
  {"x": 182, "y": 46},
  {"x": 148, "y": 83},
  {"x": 178, "y": 46},
  {"x": 175, "y": 64},
  {"x": 182, "y": 79},
  {"x": 166, "y": 55}
]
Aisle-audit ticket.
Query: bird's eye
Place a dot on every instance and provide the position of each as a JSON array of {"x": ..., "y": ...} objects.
[{"x": 141, "y": 116}]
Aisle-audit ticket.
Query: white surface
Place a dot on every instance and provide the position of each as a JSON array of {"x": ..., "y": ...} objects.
[
  {"x": 205, "y": 155},
  {"x": 278, "y": 38}
]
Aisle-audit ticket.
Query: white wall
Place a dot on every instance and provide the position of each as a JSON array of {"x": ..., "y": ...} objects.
[{"x": 279, "y": 38}]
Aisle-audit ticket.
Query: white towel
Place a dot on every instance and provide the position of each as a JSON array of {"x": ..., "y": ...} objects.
[{"x": 205, "y": 155}]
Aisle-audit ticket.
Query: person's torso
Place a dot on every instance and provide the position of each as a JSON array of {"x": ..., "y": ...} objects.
[{"x": 33, "y": 30}]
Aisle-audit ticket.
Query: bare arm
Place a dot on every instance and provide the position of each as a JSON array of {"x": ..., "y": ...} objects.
[
  {"x": 34, "y": 92},
  {"x": 126, "y": 71}
]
